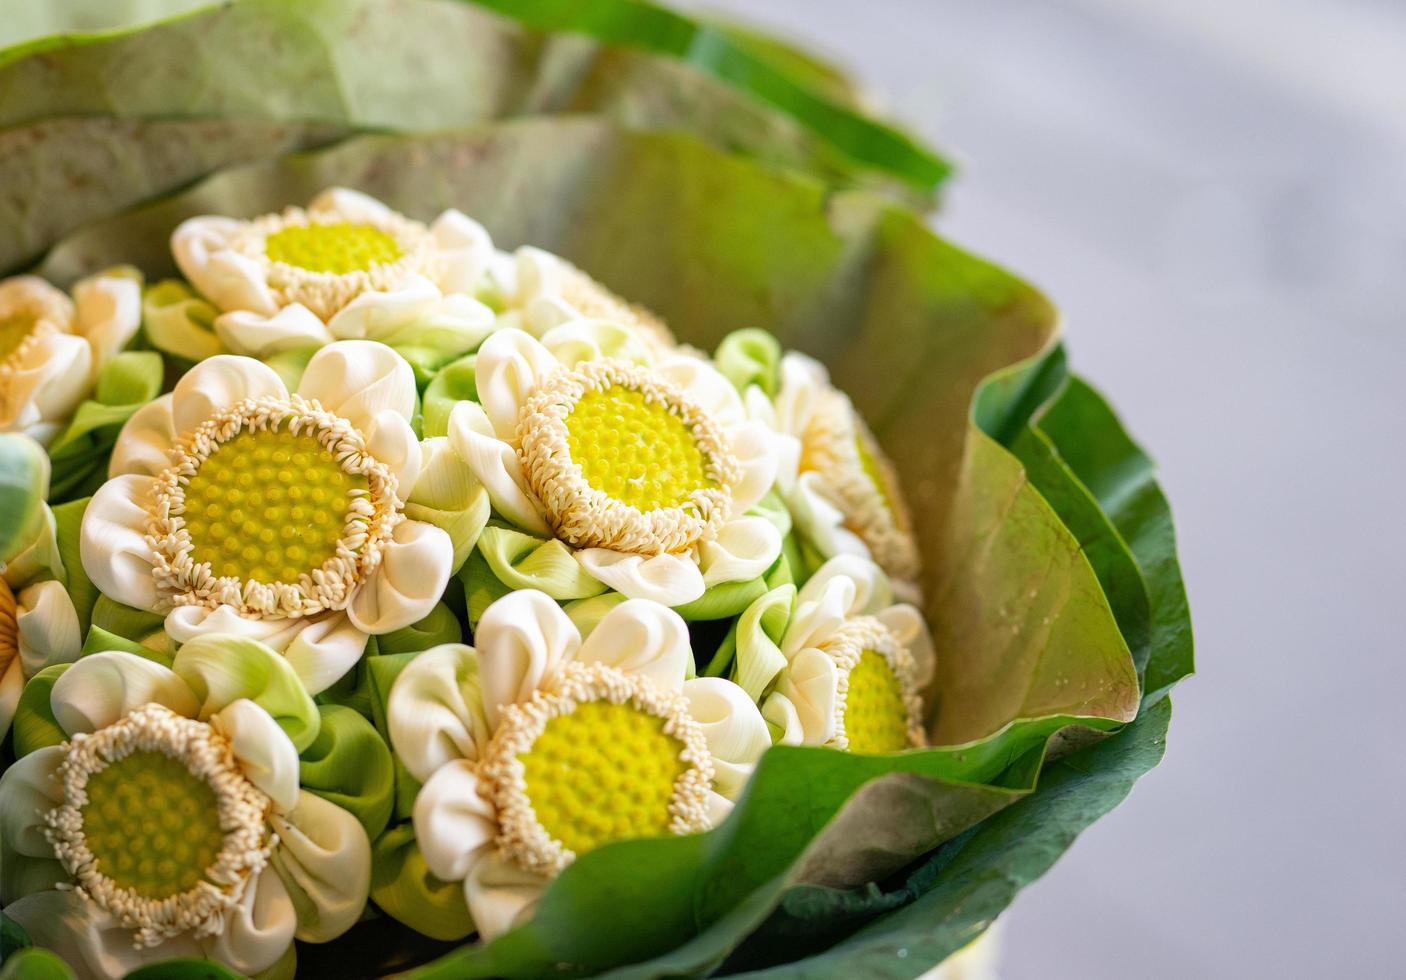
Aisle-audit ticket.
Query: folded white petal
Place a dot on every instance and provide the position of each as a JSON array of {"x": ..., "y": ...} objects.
[
  {"x": 819, "y": 521},
  {"x": 391, "y": 440},
  {"x": 31, "y": 788},
  {"x": 642, "y": 638},
  {"x": 497, "y": 467},
  {"x": 736, "y": 732},
  {"x": 356, "y": 379},
  {"x": 863, "y": 583},
  {"x": 215, "y": 384},
  {"x": 62, "y": 380},
  {"x": 229, "y": 280},
  {"x": 744, "y": 549},
  {"x": 755, "y": 449},
  {"x": 112, "y": 541},
  {"x": 510, "y": 364},
  {"x": 405, "y": 586},
  {"x": 778, "y": 710},
  {"x": 804, "y": 385},
  {"x": 706, "y": 386},
  {"x": 265, "y": 753},
  {"x": 911, "y": 630},
  {"x": 785, "y": 447},
  {"x": 89, "y": 940},
  {"x": 260, "y": 335},
  {"x": 144, "y": 444},
  {"x": 719, "y": 808},
  {"x": 811, "y": 685},
  {"x": 464, "y": 251},
  {"x": 668, "y": 579},
  {"x": 103, "y": 687},
  {"x": 500, "y": 894},
  {"x": 522, "y": 638},
  {"x": 47, "y": 627},
  {"x": 324, "y": 859},
  {"x": 375, "y": 315},
  {"x": 454, "y": 823},
  {"x": 434, "y": 713},
  {"x": 258, "y": 930},
  {"x": 349, "y": 205},
  {"x": 108, "y": 312},
  {"x": 577, "y": 340}
]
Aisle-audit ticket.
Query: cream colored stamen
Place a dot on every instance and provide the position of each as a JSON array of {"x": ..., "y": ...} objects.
[
  {"x": 679, "y": 460},
  {"x": 151, "y": 733},
  {"x": 367, "y": 504},
  {"x": 521, "y": 834},
  {"x": 9, "y": 627}
]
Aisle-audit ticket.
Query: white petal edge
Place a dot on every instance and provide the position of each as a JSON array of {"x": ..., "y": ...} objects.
[
  {"x": 101, "y": 688},
  {"x": 257, "y": 335},
  {"x": 510, "y": 364},
  {"x": 87, "y": 938},
  {"x": 643, "y": 639},
  {"x": 496, "y": 465},
  {"x": 755, "y": 449},
  {"x": 108, "y": 312},
  {"x": 522, "y": 638},
  {"x": 405, "y": 586},
  {"x": 47, "y": 627},
  {"x": 144, "y": 443},
  {"x": 112, "y": 541},
  {"x": 215, "y": 384},
  {"x": 324, "y": 859},
  {"x": 229, "y": 280},
  {"x": 464, "y": 251},
  {"x": 736, "y": 732},
  {"x": 500, "y": 894},
  {"x": 744, "y": 549},
  {"x": 391, "y": 440},
  {"x": 811, "y": 685},
  {"x": 265, "y": 753},
  {"x": 671, "y": 580},
  {"x": 911, "y": 630},
  {"x": 454, "y": 824},
  {"x": 356, "y": 379},
  {"x": 259, "y": 929},
  {"x": 434, "y": 713}
]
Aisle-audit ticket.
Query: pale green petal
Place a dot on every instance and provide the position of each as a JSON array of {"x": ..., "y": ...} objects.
[
  {"x": 179, "y": 322},
  {"x": 759, "y": 632},
  {"x": 750, "y": 357},
  {"x": 350, "y": 765},
  {"x": 521, "y": 561},
  {"x": 24, "y": 481},
  {"x": 434, "y": 712},
  {"x": 452, "y": 384},
  {"x": 324, "y": 858},
  {"x": 34, "y": 724},
  {"x": 220, "y": 669},
  {"x": 448, "y": 496},
  {"x": 103, "y": 687},
  {"x": 28, "y": 790},
  {"x": 587, "y": 613},
  {"x": 402, "y": 886}
]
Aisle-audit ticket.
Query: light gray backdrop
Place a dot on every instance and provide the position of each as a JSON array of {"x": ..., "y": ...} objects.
[{"x": 1215, "y": 193}]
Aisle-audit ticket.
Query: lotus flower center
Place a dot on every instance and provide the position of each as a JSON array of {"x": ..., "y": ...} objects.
[
  {"x": 268, "y": 506},
  {"x": 14, "y": 328},
  {"x": 9, "y": 627},
  {"x": 152, "y": 825},
  {"x": 338, "y": 248},
  {"x": 604, "y": 772},
  {"x": 869, "y": 461},
  {"x": 634, "y": 449},
  {"x": 876, "y": 717}
]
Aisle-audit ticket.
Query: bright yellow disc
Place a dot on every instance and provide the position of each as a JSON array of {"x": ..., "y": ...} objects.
[
  {"x": 876, "y": 718},
  {"x": 335, "y": 248}
]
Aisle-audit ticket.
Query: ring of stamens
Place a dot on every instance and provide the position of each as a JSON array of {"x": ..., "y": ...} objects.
[
  {"x": 310, "y": 469},
  {"x": 607, "y": 430},
  {"x": 140, "y": 795},
  {"x": 862, "y": 483},
  {"x": 613, "y": 785},
  {"x": 9, "y": 627},
  {"x": 324, "y": 260},
  {"x": 877, "y": 705}
]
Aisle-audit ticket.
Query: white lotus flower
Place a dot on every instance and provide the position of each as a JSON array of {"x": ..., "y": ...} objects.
[
  {"x": 842, "y": 491},
  {"x": 644, "y": 465},
  {"x": 347, "y": 267},
  {"x": 171, "y": 822},
  {"x": 849, "y": 665},
  {"x": 539, "y": 291},
  {"x": 52, "y": 347},
  {"x": 234, "y": 506},
  {"x": 538, "y": 746}
]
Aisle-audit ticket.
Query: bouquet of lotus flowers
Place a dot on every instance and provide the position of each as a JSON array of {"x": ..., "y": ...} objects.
[{"x": 517, "y": 490}]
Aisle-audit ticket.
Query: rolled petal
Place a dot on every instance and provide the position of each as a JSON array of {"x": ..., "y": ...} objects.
[
  {"x": 405, "y": 586},
  {"x": 911, "y": 631},
  {"x": 47, "y": 627},
  {"x": 217, "y": 383},
  {"x": 324, "y": 859},
  {"x": 744, "y": 549},
  {"x": 53, "y": 377},
  {"x": 231, "y": 281},
  {"x": 377, "y": 315},
  {"x": 265, "y": 752},
  {"x": 87, "y": 938},
  {"x": 391, "y": 440},
  {"x": 592, "y": 340},
  {"x": 804, "y": 384},
  {"x": 112, "y": 542},
  {"x": 755, "y": 449},
  {"x": 642, "y": 638},
  {"x": 500, "y": 894},
  {"x": 108, "y": 312},
  {"x": 497, "y": 467},
  {"x": 258, "y": 930},
  {"x": 259, "y": 335},
  {"x": 522, "y": 638},
  {"x": 350, "y": 205},
  {"x": 781, "y": 714},
  {"x": 705, "y": 385},
  {"x": 144, "y": 445},
  {"x": 759, "y": 628},
  {"x": 811, "y": 685},
  {"x": 736, "y": 732},
  {"x": 510, "y": 364},
  {"x": 820, "y": 521},
  {"x": 102, "y": 687},
  {"x": 28, "y": 790},
  {"x": 668, "y": 579},
  {"x": 11, "y": 687},
  {"x": 357, "y": 379},
  {"x": 843, "y": 587},
  {"x": 785, "y": 447},
  {"x": 464, "y": 251},
  {"x": 447, "y": 495},
  {"x": 434, "y": 713},
  {"x": 454, "y": 823}
]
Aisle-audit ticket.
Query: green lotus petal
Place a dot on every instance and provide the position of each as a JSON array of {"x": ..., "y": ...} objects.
[
  {"x": 184, "y": 968},
  {"x": 586, "y": 614},
  {"x": 774, "y": 509},
  {"x": 403, "y": 888},
  {"x": 521, "y": 561},
  {"x": 80, "y": 452},
  {"x": 453, "y": 383},
  {"x": 349, "y": 764},
  {"x": 440, "y": 626},
  {"x": 34, "y": 725},
  {"x": 382, "y": 672},
  {"x": 178, "y": 322},
  {"x": 68, "y": 523},
  {"x": 100, "y": 640},
  {"x": 221, "y": 669},
  {"x": 724, "y": 600},
  {"x": 290, "y": 365},
  {"x": 138, "y": 627},
  {"x": 447, "y": 496},
  {"x": 34, "y": 963},
  {"x": 759, "y": 631},
  {"x": 750, "y": 357},
  {"x": 24, "y": 481}
]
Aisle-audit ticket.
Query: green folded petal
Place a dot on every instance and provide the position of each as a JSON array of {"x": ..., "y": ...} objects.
[
  {"x": 100, "y": 640},
  {"x": 381, "y": 672},
  {"x": 40, "y": 558},
  {"x": 24, "y": 482},
  {"x": 185, "y": 968},
  {"x": 447, "y": 496},
  {"x": 521, "y": 561},
  {"x": 452, "y": 384},
  {"x": 481, "y": 587},
  {"x": 220, "y": 669},
  {"x": 290, "y": 365},
  {"x": 34, "y": 725},
  {"x": 403, "y": 888},
  {"x": 80, "y": 452},
  {"x": 440, "y": 626},
  {"x": 178, "y": 322},
  {"x": 137, "y": 626},
  {"x": 750, "y": 357},
  {"x": 774, "y": 509},
  {"x": 724, "y": 599},
  {"x": 68, "y": 522},
  {"x": 33, "y": 963},
  {"x": 759, "y": 631},
  {"x": 587, "y": 613},
  {"x": 349, "y": 764}
]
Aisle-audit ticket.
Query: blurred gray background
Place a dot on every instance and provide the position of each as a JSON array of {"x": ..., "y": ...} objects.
[{"x": 1214, "y": 191}]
